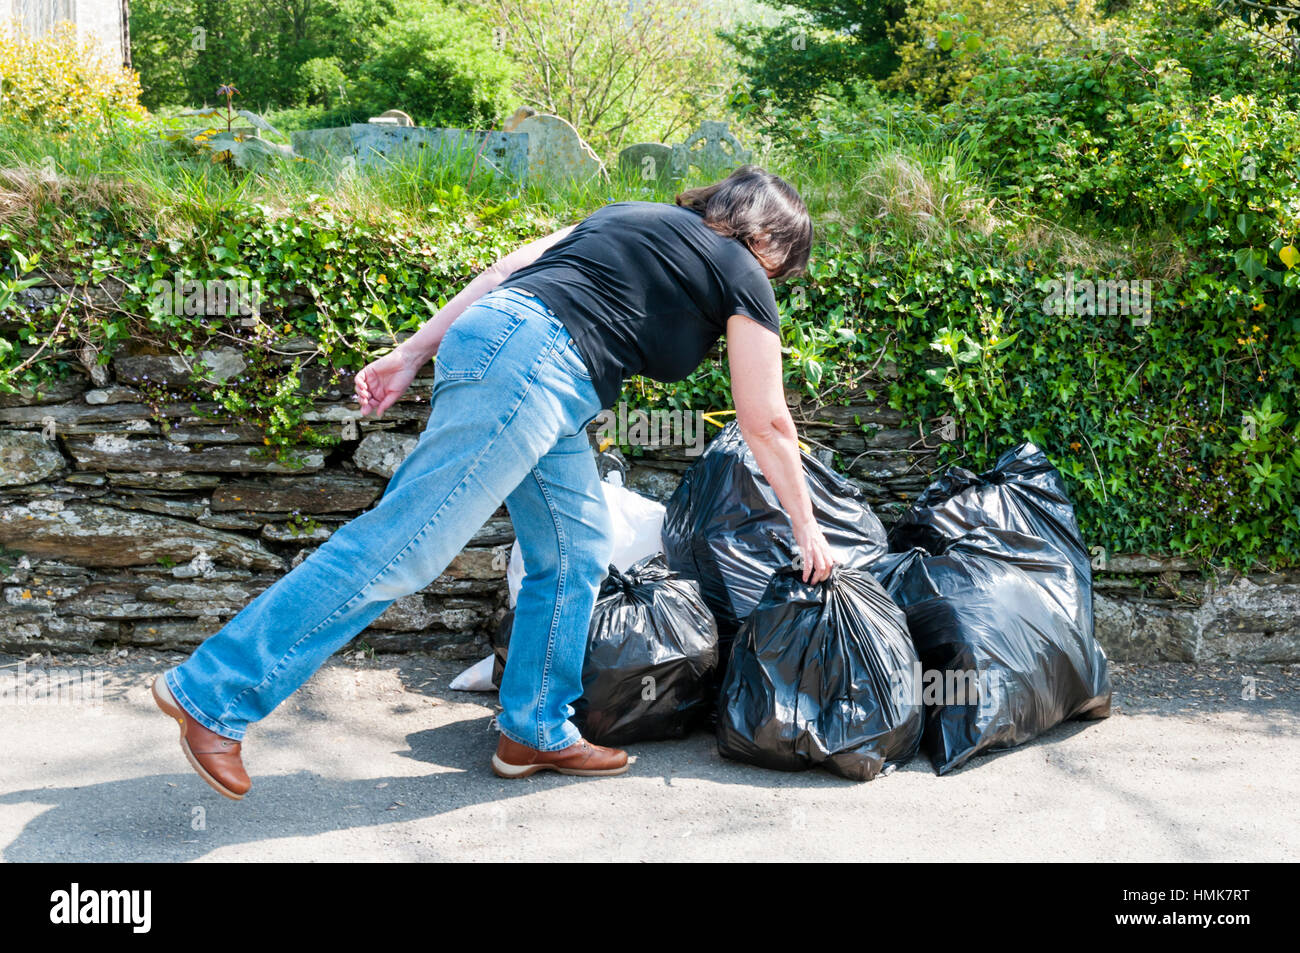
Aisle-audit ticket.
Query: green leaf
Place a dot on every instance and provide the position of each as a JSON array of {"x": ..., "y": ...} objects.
[{"x": 1250, "y": 261}]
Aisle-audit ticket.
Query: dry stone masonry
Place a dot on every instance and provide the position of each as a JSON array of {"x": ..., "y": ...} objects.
[{"x": 118, "y": 530}]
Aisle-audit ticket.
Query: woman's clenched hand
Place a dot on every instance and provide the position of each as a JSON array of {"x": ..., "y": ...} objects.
[
  {"x": 815, "y": 557},
  {"x": 381, "y": 382}
]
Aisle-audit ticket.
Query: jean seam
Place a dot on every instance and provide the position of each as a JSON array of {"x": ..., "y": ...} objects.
[
  {"x": 562, "y": 579},
  {"x": 533, "y": 303},
  {"x": 187, "y": 704},
  {"x": 556, "y": 746},
  {"x": 523, "y": 309},
  {"x": 473, "y": 468},
  {"x": 558, "y": 350}
]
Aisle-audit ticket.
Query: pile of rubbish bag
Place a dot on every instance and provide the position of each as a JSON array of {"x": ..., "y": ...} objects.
[
  {"x": 968, "y": 628},
  {"x": 652, "y": 647},
  {"x": 997, "y": 586}
]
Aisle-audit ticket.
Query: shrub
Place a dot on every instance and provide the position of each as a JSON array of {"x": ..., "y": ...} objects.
[
  {"x": 436, "y": 63},
  {"x": 638, "y": 72},
  {"x": 322, "y": 77},
  {"x": 940, "y": 42},
  {"x": 59, "y": 81},
  {"x": 817, "y": 52}
]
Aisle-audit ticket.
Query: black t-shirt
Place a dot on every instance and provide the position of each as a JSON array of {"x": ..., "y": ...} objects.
[{"x": 647, "y": 288}]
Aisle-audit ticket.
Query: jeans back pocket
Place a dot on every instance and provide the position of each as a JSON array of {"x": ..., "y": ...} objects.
[{"x": 473, "y": 340}]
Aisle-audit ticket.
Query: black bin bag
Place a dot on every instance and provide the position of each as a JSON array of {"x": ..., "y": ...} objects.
[
  {"x": 725, "y": 528},
  {"x": 1023, "y": 493},
  {"x": 822, "y": 674},
  {"x": 652, "y": 649},
  {"x": 997, "y": 588}
]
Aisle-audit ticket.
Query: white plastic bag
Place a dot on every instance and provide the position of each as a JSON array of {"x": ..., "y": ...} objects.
[
  {"x": 476, "y": 678},
  {"x": 637, "y": 521}
]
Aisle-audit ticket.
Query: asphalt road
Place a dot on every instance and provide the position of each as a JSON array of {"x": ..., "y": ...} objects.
[{"x": 376, "y": 759}]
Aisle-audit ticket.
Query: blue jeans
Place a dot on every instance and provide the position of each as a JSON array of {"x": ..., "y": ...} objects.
[{"x": 511, "y": 400}]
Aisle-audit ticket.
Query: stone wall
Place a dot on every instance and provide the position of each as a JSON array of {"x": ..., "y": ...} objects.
[
  {"x": 122, "y": 523},
  {"x": 117, "y": 528}
]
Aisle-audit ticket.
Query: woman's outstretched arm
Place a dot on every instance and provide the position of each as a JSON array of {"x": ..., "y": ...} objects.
[
  {"x": 381, "y": 382},
  {"x": 423, "y": 345},
  {"x": 757, "y": 389}
]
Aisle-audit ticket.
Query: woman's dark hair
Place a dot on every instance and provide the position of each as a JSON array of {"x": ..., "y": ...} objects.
[{"x": 760, "y": 209}]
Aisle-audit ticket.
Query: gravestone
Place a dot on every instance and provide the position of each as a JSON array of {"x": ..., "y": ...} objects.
[
  {"x": 556, "y": 152},
  {"x": 712, "y": 148},
  {"x": 321, "y": 144},
  {"x": 503, "y": 151},
  {"x": 648, "y": 162}
]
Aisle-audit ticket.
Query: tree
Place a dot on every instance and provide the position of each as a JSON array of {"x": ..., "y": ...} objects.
[
  {"x": 936, "y": 38},
  {"x": 645, "y": 71},
  {"x": 185, "y": 49},
  {"x": 1275, "y": 23},
  {"x": 821, "y": 52},
  {"x": 322, "y": 78},
  {"x": 436, "y": 62}
]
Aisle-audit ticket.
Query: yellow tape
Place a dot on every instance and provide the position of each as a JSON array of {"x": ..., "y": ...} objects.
[{"x": 731, "y": 413}]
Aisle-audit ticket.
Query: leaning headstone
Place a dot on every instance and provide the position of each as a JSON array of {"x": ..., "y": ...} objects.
[
  {"x": 506, "y": 152},
  {"x": 556, "y": 152},
  {"x": 648, "y": 162},
  {"x": 711, "y": 148}
]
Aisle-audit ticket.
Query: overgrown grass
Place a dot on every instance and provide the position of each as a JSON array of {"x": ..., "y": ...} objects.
[
  {"x": 879, "y": 179},
  {"x": 898, "y": 178},
  {"x": 886, "y": 188},
  {"x": 155, "y": 185},
  {"x": 905, "y": 182}
]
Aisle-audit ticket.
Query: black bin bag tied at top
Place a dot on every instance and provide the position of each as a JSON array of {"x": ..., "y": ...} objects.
[
  {"x": 822, "y": 674},
  {"x": 997, "y": 585},
  {"x": 725, "y": 528},
  {"x": 652, "y": 649}
]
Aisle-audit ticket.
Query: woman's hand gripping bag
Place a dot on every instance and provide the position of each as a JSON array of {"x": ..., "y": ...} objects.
[
  {"x": 725, "y": 528},
  {"x": 822, "y": 674}
]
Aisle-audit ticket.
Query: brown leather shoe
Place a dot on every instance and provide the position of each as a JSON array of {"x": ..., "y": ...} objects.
[
  {"x": 582, "y": 758},
  {"x": 216, "y": 759}
]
